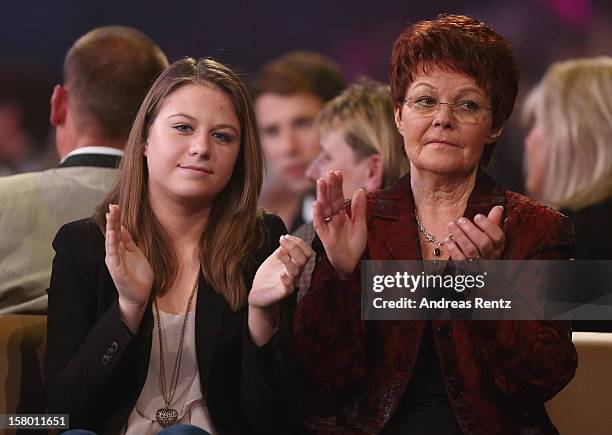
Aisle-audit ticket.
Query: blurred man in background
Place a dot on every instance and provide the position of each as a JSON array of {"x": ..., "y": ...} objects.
[
  {"x": 289, "y": 92},
  {"x": 107, "y": 72}
]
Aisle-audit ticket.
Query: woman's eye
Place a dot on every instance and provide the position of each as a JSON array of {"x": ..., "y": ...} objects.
[
  {"x": 223, "y": 137},
  {"x": 426, "y": 101},
  {"x": 468, "y": 106},
  {"x": 182, "y": 128}
]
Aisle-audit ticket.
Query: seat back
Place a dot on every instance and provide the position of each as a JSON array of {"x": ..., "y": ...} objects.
[
  {"x": 584, "y": 406},
  {"x": 22, "y": 347}
]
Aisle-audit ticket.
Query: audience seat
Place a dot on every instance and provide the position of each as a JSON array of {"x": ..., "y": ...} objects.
[
  {"x": 584, "y": 406},
  {"x": 22, "y": 348}
]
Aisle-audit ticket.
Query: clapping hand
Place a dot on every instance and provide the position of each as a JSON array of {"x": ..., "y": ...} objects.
[
  {"x": 276, "y": 276},
  {"x": 344, "y": 238},
  {"x": 482, "y": 238},
  {"x": 129, "y": 268},
  {"x": 275, "y": 280}
]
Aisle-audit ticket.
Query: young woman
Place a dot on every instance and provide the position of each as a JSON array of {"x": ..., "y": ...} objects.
[{"x": 165, "y": 307}]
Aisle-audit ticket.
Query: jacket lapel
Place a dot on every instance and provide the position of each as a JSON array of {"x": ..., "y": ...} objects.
[{"x": 393, "y": 213}]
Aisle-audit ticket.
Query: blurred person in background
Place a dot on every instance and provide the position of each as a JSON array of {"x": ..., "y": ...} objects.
[
  {"x": 289, "y": 92},
  {"x": 24, "y": 120},
  {"x": 568, "y": 154},
  {"x": 358, "y": 136},
  {"x": 107, "y": 73}
]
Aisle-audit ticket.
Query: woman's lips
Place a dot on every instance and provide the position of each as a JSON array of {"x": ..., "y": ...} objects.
[
  {"x": 196, "y": 169},
  {"x": 296, "y": 171},
  {"x": 442, "y": 143}
]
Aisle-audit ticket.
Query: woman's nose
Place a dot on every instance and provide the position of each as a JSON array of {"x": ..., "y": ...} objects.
[{"x": 201, "y": 146}]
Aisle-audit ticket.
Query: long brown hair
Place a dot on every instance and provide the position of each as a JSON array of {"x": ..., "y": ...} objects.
[{"x": 233, "y": 227}]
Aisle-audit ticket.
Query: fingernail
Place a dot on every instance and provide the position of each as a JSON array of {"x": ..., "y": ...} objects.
[
  {"x": 478, "y": 217},
  {"x": 462, "y": 221}
]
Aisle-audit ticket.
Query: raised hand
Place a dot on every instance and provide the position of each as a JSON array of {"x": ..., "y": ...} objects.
[
  {"x": 344, "y": 238},
  {"x": 273, "y": 282},
  {"x": 276, "y": 276},
  {"x": 483, "y": 238},
  {"x": 129, "y": 268}
]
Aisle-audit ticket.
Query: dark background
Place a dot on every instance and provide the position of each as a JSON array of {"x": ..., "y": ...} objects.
[{"x": 358, "y": 34}]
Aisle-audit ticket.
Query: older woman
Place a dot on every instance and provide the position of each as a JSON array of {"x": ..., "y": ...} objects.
[
  {"x": 453, "y": 85},
  {"x": 568, "y": 153}
]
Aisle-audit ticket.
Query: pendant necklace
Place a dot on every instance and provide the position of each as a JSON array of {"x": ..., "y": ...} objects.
[
  {"x": 431, "y": 239},
  {"x": 168, "y": 416}
]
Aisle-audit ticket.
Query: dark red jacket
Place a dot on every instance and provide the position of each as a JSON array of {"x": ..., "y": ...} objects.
[{"x": 497, "y": 374}]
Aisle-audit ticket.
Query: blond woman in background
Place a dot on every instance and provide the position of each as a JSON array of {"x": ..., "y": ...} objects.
[
  {"x": 358, "y": 137},
  {"x": 568, "y": 153}
]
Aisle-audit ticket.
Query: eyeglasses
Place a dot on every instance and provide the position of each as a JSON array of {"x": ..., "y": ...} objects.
[{"x": 464, "y": 111}]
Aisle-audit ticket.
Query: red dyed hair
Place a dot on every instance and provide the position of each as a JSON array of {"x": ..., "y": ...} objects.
[{"x": 462, "y": 44}]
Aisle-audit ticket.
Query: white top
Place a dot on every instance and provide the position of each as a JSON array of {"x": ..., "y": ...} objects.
[{"x": 187, "y": 400}]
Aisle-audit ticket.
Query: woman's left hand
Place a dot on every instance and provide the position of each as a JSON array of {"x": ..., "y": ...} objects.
[
  {"x": 482, "y": 238},
  {"x": 273, "y": 282}
]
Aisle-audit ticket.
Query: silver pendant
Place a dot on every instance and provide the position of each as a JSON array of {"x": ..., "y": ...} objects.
[{"x": 166, "y": 416}]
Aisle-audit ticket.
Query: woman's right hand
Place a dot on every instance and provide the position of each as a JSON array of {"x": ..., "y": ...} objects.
[
  {"x": 344, "y": 238},
  {"x": 129, "y": 268}
]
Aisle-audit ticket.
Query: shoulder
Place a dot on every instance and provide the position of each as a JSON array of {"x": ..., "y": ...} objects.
[
  {"x": 271, "y": 228},
  {"x": 20, "y": 187},
  {"x": 272, "y": 224},
  {"x": 80, "y": 238},
  {"x": 534, "y": 224},
  {"x": 523, "y": 210},
  {"x": 305, "y": 232}
]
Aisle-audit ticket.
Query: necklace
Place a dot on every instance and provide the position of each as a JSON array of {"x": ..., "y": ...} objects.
[
  {"x": 167, "y": 416},
  {"x": 431, "y": 239}
]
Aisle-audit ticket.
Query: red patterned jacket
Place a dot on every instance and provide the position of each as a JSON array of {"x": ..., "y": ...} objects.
[{"x": 497, "y": 374}]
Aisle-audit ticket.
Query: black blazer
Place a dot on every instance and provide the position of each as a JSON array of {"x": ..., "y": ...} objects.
[{"x": 95, "y": 368}]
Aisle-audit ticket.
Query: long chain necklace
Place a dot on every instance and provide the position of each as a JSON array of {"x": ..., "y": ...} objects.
[
  {"x": 431, "y": 239},
  {"x": 167, "y": 416}
]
